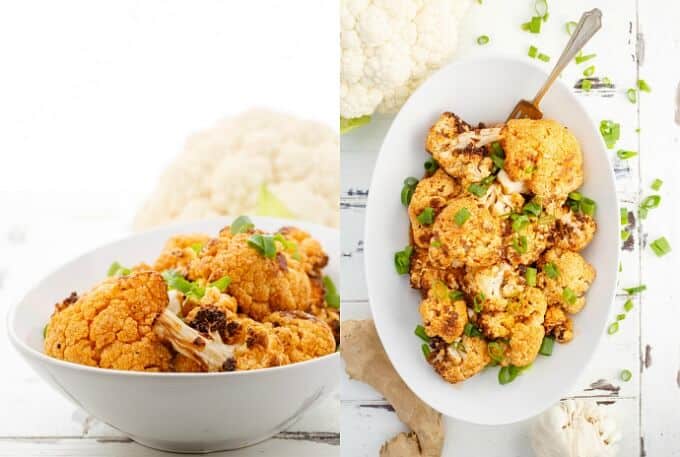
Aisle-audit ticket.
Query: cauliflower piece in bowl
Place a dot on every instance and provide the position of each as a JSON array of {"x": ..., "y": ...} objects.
[
  {"x": 565, "y": 278},
  {"x": 459, "y": 361},
  {"x": 573, "y": 230},
  {"x": 443, "y": 316}
]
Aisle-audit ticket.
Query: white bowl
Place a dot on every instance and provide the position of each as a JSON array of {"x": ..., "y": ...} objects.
[
  {"x": 482, "y": 90},
  {"x": 182, "y": 412}
]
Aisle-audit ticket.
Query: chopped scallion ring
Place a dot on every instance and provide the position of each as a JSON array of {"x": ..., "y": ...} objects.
[
  {"x": 533, "y": 208},
  {"x": 569, "y": 295},
  {"x": 624, "y": 216},
  {"x": 519, "y": 222},
  {"x": 533, "y": 51},
  {"x": 402, "y": 260},
  {"x": 478, "y": 302},
  {"x": 626, "y": 375},
  {"x": 331, "y": 294},
  {"x": 625, "y": 234},
  {"x": 541, "y": 8},
  {"x": 571, "y": 26},
  {"x": 461, "y": 217},
  {"x": 482, "y": 40},
  {"x": 580, "y": 58},
  {"x": 520, "y": 244},
  {"x": 550, "y": 269},
  {"x": 456, "y": 295},
  {"x": 620, "y": 317},
  {"x": 543, "y": 57},
  {"x": 586, "y": 85},
  {"x": 410, "y": 184},
  {"x": 628, "y": 306},
  {"x": 426, "y": 350},
  {"x": 610, "y": 131},
  {"x": 426, "y": 217},
  {"x": 635, "y": 290},
  {"x": 651, "y": 202},
  {"x": 613, "y": 328},
  {"x": 643, "y": 86},
  {"x": 660, "y": 246},
  {"x": 625, "y": 155},
  {"x": 547, "y": 346},
  {"x": 631, "y": 94},
  {"x": 530, "y": 276},
  {"x": 420, "y": 333},
  {"x": 656, "y": 184},
  {"x": 471, "y": 330},
  {"x": 431, "y": 165},
  {"x": 589, "y": 71}
]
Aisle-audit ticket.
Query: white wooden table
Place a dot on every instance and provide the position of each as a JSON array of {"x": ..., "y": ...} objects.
[{"x": 638, "y": 38}]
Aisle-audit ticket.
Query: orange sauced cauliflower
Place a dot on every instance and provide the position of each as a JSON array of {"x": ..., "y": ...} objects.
[
  {"x": 496, "y": 226},
  {"x": 244, "y": 300}
]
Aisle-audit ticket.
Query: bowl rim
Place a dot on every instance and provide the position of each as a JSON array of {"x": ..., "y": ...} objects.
[
  {"x": 25, "y": 350},
  {"x": 371, "y": 289}
]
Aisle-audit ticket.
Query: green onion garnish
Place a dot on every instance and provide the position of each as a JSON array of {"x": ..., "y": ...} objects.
[
  {"x": 331, "y": 294},
  {"x": 606, "y": 81},
  {"x": 402, "y": 260},
  {"x": 479, "y": 189},
  {"x": 471, "y": 330},
  {"x": 426, "y": 350},
  {"x": 625, "y": 234},
  {"x": 586, "y": 85},
  {"x": 410, "y": 184},
  {"x": 533, "y": 208},
  {"x": 660, "y": 246},
  {"x": 589, "y": 71},
  {"x": 620, "y": 317},
  {"x": 478, "y": 302},
  {"x": 626, "y": 375},
  {"x": 541, "y": 8},
  {"x": 530, "y": 276},
  {"x": 651, "y": 202},
  {"x": 569, "y": 295},
  {"x": 45, "y": 331},
  {"x": 420, "y": 333},
  {"x": 456, "y": 295},
  {"x": 534, "y": 25},
  {"x": 656, "y": 184},
  {"x": 580, "y": 58},
  {"x": 435, "y": 243},
  {"x": 551, "y": 271},
  {"x": 533, "y": 51},
  {"x": 497, "y": 154},
  {"x": 635, "y": 290},
  {"x": 631, "y": 94},
  {"x": 543, "y": 57},
  {"x": 570, "y": 26},
  {"x": 241, "y": 224},
  {"x": 519, "y": 222},
  {"x": 625, "y": 155},
  {"x": 610, "y": 131},
  {"x": 576, "y": 196},
  {"x": 628, "y": 306},
  {"x": 496, "y": 351},
  {"x": 613, "y": 328},
  {"x": 196, "y": 247},
  {"x": 482, "y": 40},
  {"x": 547, "y": 346},
  {"x": 221, "y": 283},
  {"x": 431, "y": 165},
  {"x": 508, "y": 374},
  {"x": 461, "y": 217},
  {"x": 347, "y": 125},
  {"x": 520, "y": 244},
  {"x": 643, "y": 86},
  {"x": 264, "y": 244},
  {"x": 426, "y": 217},
  {"x": 624, "y": 216},
  {"x": 116, "y": 269}
]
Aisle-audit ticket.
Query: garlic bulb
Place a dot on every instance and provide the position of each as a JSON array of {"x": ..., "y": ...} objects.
[{"x": 575, "y": 428}]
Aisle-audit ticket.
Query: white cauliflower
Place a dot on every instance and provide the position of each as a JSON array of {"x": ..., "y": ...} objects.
[
  {"x": 390, "y": 46},
  {"x": 228, "y": 169}
]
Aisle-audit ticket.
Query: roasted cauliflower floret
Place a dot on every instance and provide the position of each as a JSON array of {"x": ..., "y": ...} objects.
[
  {"x": 493, "y": 285},
  {"x": 309, "y": 251},
  {"x": 525, "y": 246},
  {"x": 111, "y": 326},
  {"x": 558, "y": 324},
  {"x": 465, "y": 233},
  {"x": 259, "y": 284},
  {"x": 431, "y": 195},
  {"x": 545, "y": 155},
  {"x": 565, "y": 278},
  {"x": 501, "y": 203},
  {"x": 423, "y": 273},
  {"x": 442, "y": 315},
  {"x": 459, "y": 361},
  {"x": 303, "y": 335},
  {"x": 573, "y": 231},
  {"x": 524, "y": 344},
  {"x": 179, "y": 251},
  {"x": 467, "y": 161}
]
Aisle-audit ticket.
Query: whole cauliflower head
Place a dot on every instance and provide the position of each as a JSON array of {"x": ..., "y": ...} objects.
[
  {"x": 566, "y": 280},
  {"x": 545, "y": 155},
  {"x": 225, "y": 170},
  {"x": 388, "y": 47},
  {"x": 574, "y": 428},
  {"x": 461, "y": 360},
  {"x": 432, "y": 194},
  {"x": 111, "y": 326},
  {"x": 443, "y": 316}
]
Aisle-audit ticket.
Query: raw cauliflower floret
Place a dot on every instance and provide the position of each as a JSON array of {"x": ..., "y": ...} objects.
[
  {"x": 459, "y": 361},
  {"x": 545, "y": 155},
  {"x": 223, "y": 170},
  {"x": 111, "y": 326},
  {"x": 388, "y": 47},
  {"x": 442, "y": 316},
  {"x": 494, "y": 285},
  {"x": 471, "y": 163},
  {"x": 573, "y": 231},
  {"x": 527, "y": 245},
  {"x": 303, "y": 335},
  {"x": 432, "y": 192},
  {"x": 424, "y": 274},
  {"x": 259, "y": 284},
  {"x": 574, "y": 277},
  {"x": 179, "y": 251},
  {"x": 475, "y": 243},
  {"x": 558, "y": 324}
]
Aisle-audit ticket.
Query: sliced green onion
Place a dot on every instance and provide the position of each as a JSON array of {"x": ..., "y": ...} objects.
[
  {"x": 580, "y": 58},
  {"x": 551, "y": 271},
  {"x": 589, "y": 71},
  {"x": 116, "y": 269},
  {"x": 520, "y": 244},
  {"x": 643, "y": 86},
  {"x": 533, "y": 52},
  {"x": 420, "y": 333},
  {"x": 651, "y": 202},
  {"x": 576, "y": 196},
  {"x": 586, "y": 85},
  {"x": 533, "y": 208},
  {"x": 497, "y": 154},
  {"x": 570, "y": 27},
  {"x": 660, "y": 246},
  {"x": 656, "y": 184},
  {"x": 436, "y": 243},
  {"x": 431, "y": 165},
  {"x": 471, "y": 330},
  {"x": 625, "y": 234},
  {"x": 240, "y": 225},
  {"x": 402, "y": 260},
  {"x": 478, "y": 302},
  {"x": 530, "y": 276},
  {"x": 519, "y": 222},
  {"x": 541, "y": 7},
  {"x": 610, "y": 131},
  {"x": 626, "y": 375},
  {"x": 45, "y": 331},
  {"x": 547, "y": 346},
  {"x": 620, "y": 317},
  {"x": 588, "y": 206},
  {"x": 331, "y": 294},
  {"x": 534, "y": 25},
  {"x": 461, "y": 217},
  {"x": 508, "y": 374},
  {"x": 635, "y": 290},
  {"x": 496, "y": 351},
  {"x": 628, "y": 306},
  {"x": 631, "y": 94},
  {"x": 569, "y": 295},
  {"x": 426, "y": 217},
  {"x": 642, "y": 212},
  {"x": 543, "y": 57},
  {"x": 613, "y": 328},
  {"x": 426, "y": 350},
  {"x": 347, "y": 125},
  {"x": 624, "y": 216},
  {"x": 456, "y": 295},
  {"x": 482, "y": 40},
  {"x": 625, "y": 155},
  {"x": 221, "y": 283},
  {"x": 410, "y": 184},
  {"x": 196, "y": 247}
]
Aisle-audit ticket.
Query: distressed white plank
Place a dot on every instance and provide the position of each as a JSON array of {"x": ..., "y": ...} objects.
[{"x": 660, "y": 40}]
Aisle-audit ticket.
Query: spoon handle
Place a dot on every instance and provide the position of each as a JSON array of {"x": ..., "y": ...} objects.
[{"x": 590, "y": 22}]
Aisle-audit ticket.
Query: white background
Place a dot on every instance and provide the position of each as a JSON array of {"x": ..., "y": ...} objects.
[{"x": 96, "y": 97}]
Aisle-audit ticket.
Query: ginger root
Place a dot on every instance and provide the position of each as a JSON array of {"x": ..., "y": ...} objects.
[{"x": 366, "y": 361}]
